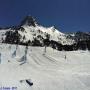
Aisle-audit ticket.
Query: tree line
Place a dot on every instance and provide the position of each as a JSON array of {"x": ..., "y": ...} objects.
[{"x": 13, "y": 37}]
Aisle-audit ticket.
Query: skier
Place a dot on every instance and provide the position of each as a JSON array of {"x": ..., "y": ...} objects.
[
  {"x": 65, "y": 57},
  {"x": 45, "y": 48},
  {"x": 0, "y": 58}
]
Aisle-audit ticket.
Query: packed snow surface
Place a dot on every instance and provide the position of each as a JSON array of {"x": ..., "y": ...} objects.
[{"x": 53, "y": 70}]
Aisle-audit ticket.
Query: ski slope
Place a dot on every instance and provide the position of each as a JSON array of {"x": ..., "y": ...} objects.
[{"x": 55, "y": 70}]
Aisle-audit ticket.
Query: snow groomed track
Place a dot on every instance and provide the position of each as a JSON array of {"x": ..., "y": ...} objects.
[{"x": 51, "y": 71}]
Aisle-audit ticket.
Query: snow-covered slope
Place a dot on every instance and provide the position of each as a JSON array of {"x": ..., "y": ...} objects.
[
  {"x": 29, "y": 29},
  {"x": 55, "y": 70},
  {"x": 31, "y": 32}
]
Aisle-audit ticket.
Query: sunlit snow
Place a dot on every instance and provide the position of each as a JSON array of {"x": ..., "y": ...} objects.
[{"x": 53, "y": 70}]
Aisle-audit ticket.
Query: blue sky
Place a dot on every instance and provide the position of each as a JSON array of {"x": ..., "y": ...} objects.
[{"x": 66, "y": 15}]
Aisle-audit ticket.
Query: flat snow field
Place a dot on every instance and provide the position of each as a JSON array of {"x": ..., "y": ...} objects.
[{"x": 53, "y": 70}]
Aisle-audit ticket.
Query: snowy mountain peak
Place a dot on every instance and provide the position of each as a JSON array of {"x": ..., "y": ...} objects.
[
  {"x": 29, "y": 32},
  {"x": 28, "y": 20}
]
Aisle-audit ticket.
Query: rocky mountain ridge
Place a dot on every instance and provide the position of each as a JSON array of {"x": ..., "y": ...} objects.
[{"x": 29, "y": 32}]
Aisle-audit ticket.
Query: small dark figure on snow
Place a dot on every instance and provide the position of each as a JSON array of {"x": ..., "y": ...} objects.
[
  {"x": 29, "y": 82},
  {"x": 65, "y": 57}
]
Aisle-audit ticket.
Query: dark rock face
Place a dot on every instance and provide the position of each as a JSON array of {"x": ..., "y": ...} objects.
[
  {"x": 81, "y": 36},
  {"x": 12, "y": 37},
  {"x": 28, "y": 20}
]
